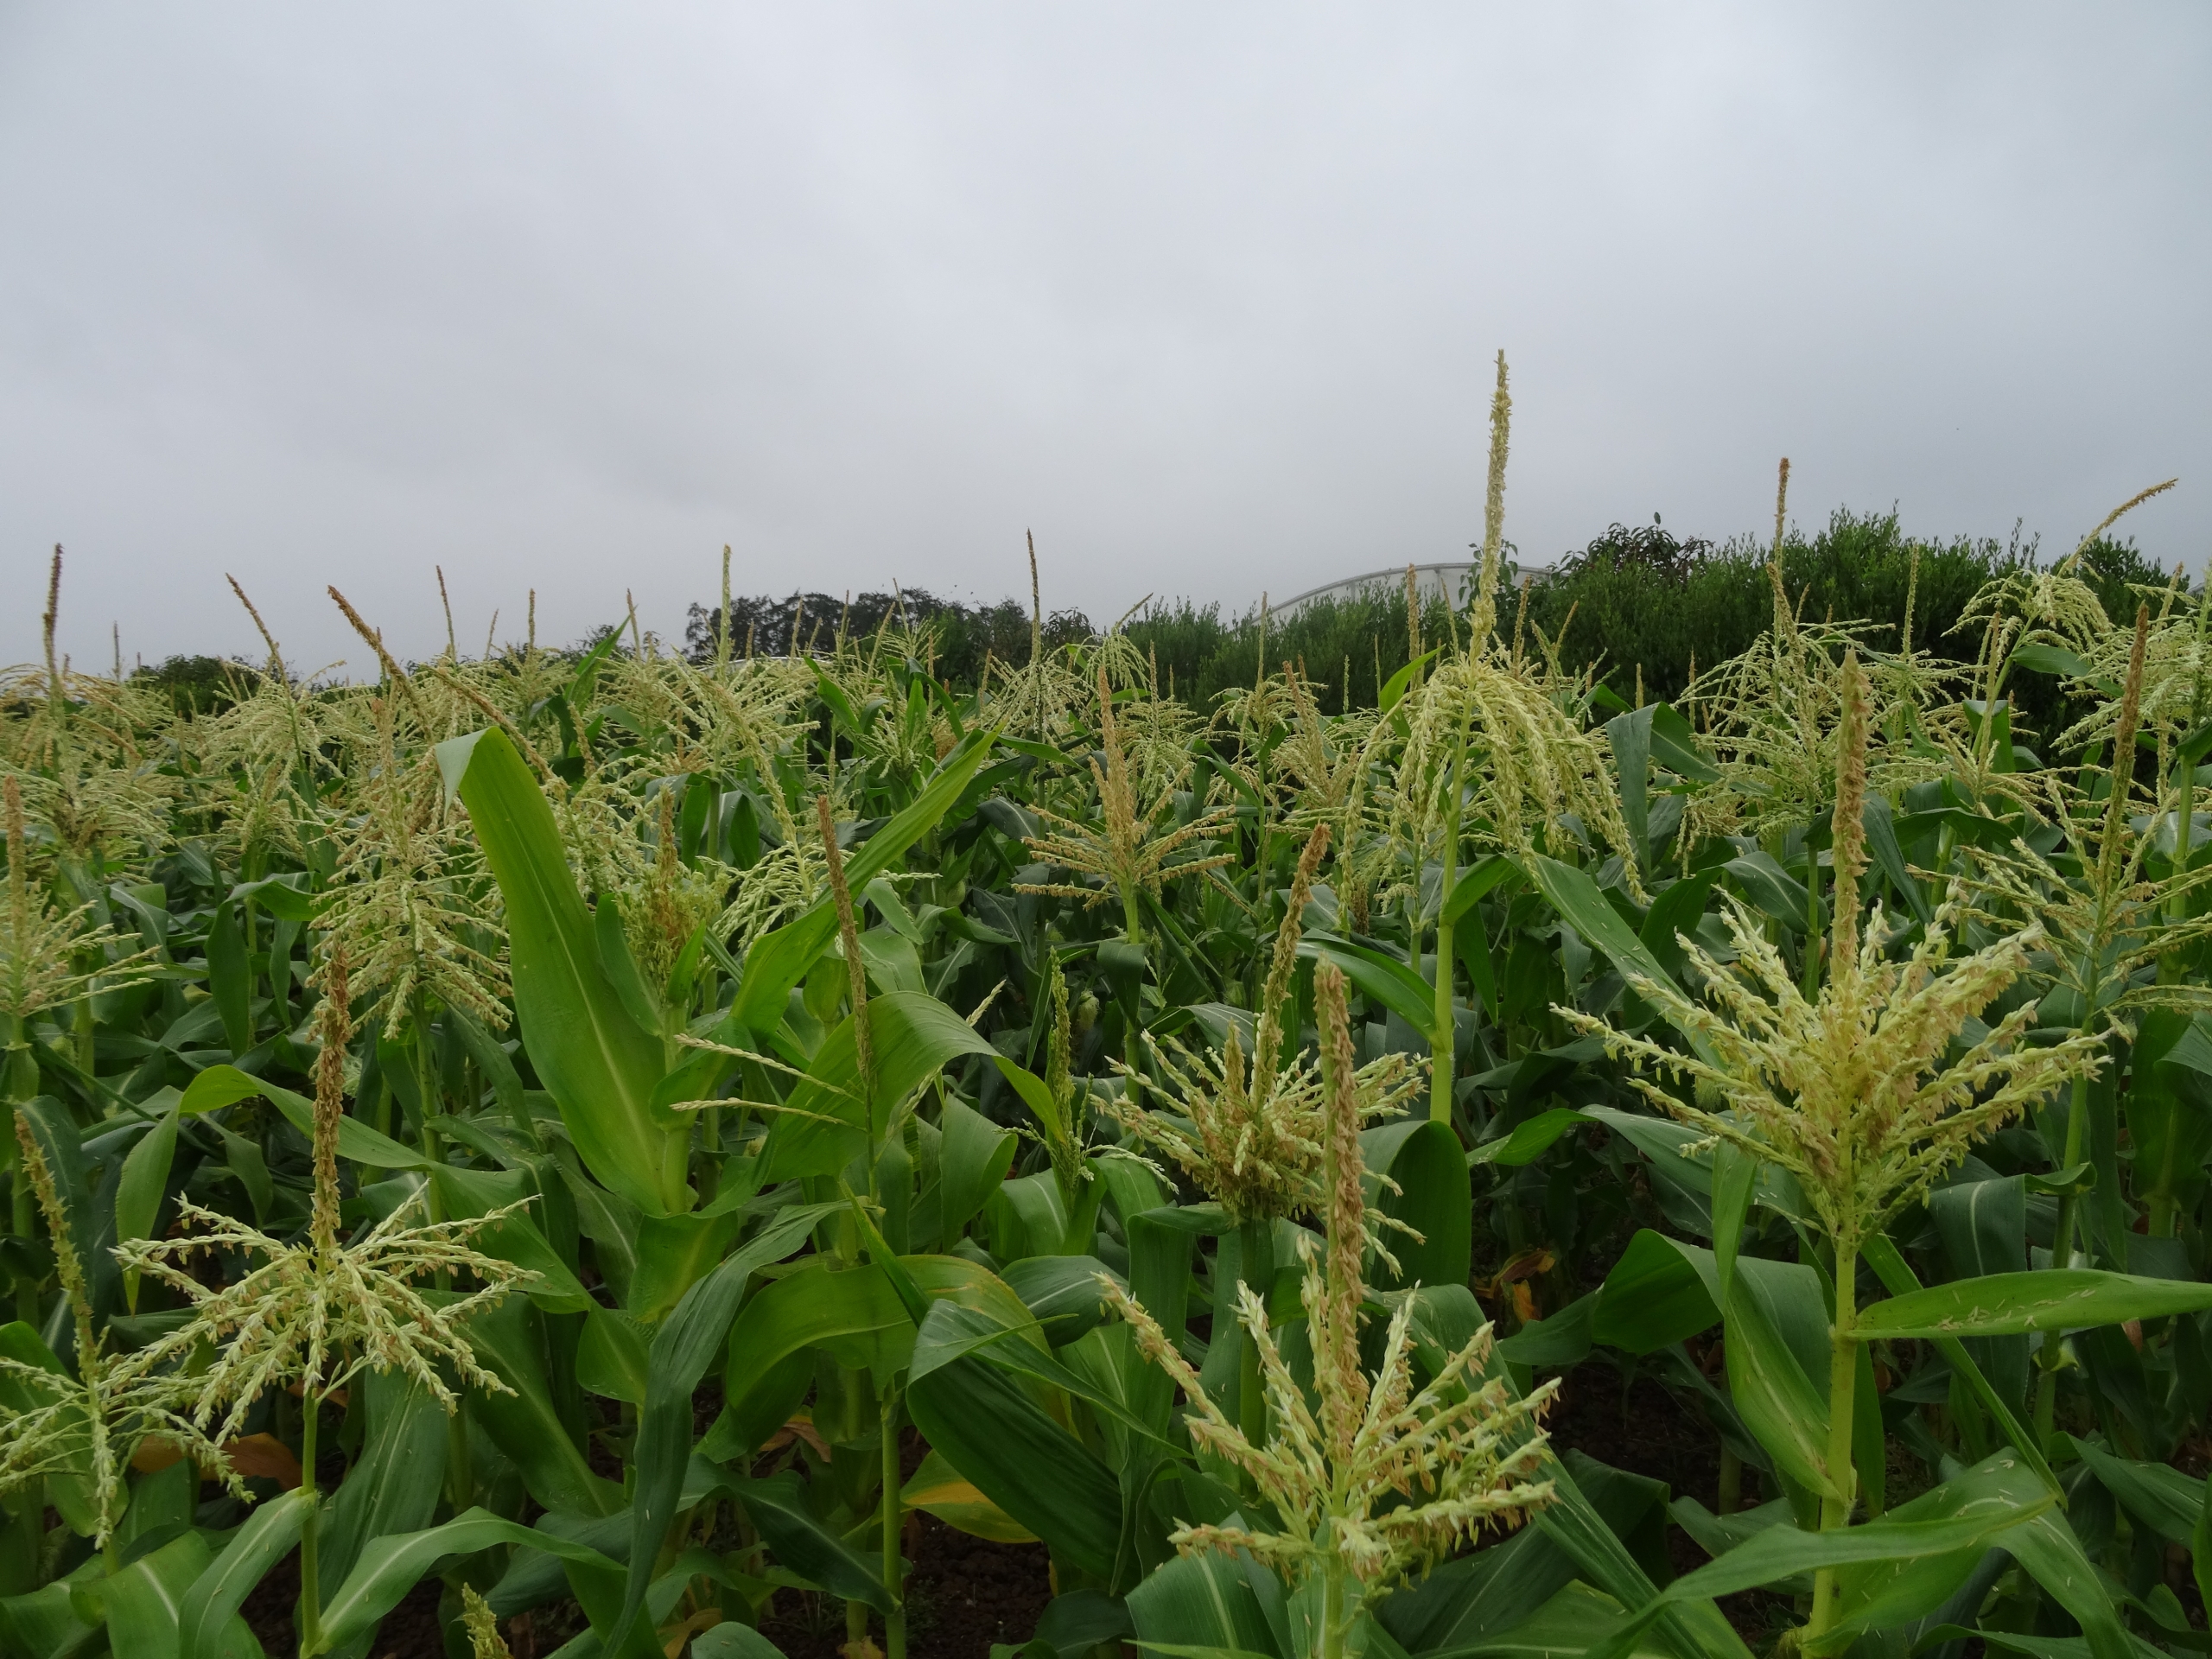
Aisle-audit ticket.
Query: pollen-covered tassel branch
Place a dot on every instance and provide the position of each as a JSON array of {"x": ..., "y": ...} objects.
[
  {"x": 1336, "y": 1320},
  {"x": 337, "y": 1035}
]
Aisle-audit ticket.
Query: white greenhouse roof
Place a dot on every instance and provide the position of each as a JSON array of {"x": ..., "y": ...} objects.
[{"x": 1446, "y": 579}]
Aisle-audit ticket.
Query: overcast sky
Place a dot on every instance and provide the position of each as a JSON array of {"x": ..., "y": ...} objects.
[{"x": 568, "y": 296}]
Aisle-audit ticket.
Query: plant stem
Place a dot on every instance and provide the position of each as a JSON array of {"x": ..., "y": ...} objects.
[
  {"x": 18, "y": 1065},
  {"x": 895, "y": 1622},
  {"x": 1730, "y": 1497},
  {"x": 1131, "y": 923},
  {"x": 1843, "y": 1376},
  {"x": 460, "y": 1479},
  {"x": 1256, "y": 1268},
  {"x": 2051, "y": 1356},
  {"x": 310, "y": 1527},
  {"x": 1332, "y": 1631}
]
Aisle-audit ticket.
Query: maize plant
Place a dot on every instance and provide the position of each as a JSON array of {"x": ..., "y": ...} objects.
[{"x": 622, "y": 1151}]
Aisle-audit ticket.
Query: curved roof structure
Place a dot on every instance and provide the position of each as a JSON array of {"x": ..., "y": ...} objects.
[{"x": 1444, "y": 579}]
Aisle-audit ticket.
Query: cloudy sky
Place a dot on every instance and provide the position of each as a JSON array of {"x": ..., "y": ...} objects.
[{"x": 568, "y": 296}]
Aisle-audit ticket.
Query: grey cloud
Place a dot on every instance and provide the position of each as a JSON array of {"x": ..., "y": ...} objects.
[{"x": 569, "y": 296}]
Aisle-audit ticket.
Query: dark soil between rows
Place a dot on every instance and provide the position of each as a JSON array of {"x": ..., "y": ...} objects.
[
  {"x": 963, "y": 1595},
  {"x": 409, "y": 1631},
  {"x": 1646, "y": 1431}
]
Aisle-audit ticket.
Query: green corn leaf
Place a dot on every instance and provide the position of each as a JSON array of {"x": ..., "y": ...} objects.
[
  {"x": 1872, "y": 1595},
  {"x": 2004, "y": 1304},
  {"x": 1212, "y": 1605},
  {"x": 1772, "y": 1394},
  {"x": 601, "y": 1064},
  {"x": 1431, "y": 1196},
  {"x": 2160, "y": 1495},
  {"x": 216, "y": 1087},
  {"x": 851, "y": 1314},
  {"x": 283, "y": 896},
  {"x": 1896, "y": 1275},
  {"x": 1034, "y": 1095},
  {"x": 779, "y": 1508},
  {"x": 1654, "y": 1296},
  {"x": 681, "y": 1349},
  {"x": 1735, "y": 1177},
  {"x": 1384, "y": 978},
  {"x": 1573, "y": 1618},
  {"x": 498, "y": 1067},
  {"x": 90, "y": 1224},
  {"x": 230, "y": 982},
  {"x": 1529, "y": 1140},
  {"x": 973, "y": 1158},
  {"x": 2054, "y": 660},
  {"x": 823, "y": 1126},
  {"x": 138, "y": 1193},
  {"x": 1578, "y": 899},
  {"x": 469, "y": 1192},
  {"x": 1472, "y": 942},
  {"x": 509, "y": 1340},
  {"x": 855, "y": 1316},
  {"x": 1061, "y": 1292},
  {"x": 2029, "y": 1647},
  {"x": 611, "y": 1355},
  {"x": 1395, "y": 688},
  {"x": 1675, "y": 746},
  {"x": 390, "y": 1567},
  {"x": 357, "y": 1141},
  {"x": 991, "y": 1429},
  {"x": 1771, "y": 890},
  {"x": 1673, "y": 914},
  {"x": 1882, "y": 836},
  {"x": 2046, "y": 1547},
  {"x": 892, "y": 962},
  {"x": 44, "y": 1622},
  {"x": 1484, "y": 874},
  {"x": 1494, "y": 1601},
  {"x": 1630, "y": 737},
  {"x": 1662, "y": 1291},
  {"x": 1780, "y": 1552},
  {"x": 673, "y": 1252},
  {"x": 733, "y": 1640},
  {"x": 206, "y": 1611},
  {"x": 534, "y": 1578},
  {"x": 163, "y": 1504},
  {"x": 141, "y": 1604},
  {"x": 1582, "y": 1531},
  {"x": 1026, "y": 1217},
  {"x": 619, "y": 966},
  {"x": 243, "y": 1158},
  {"x": 397, "y": 1479},
  {"x": 779, "y": 959},
  {"x": 2200, "y": 1543},
  {"x": 951, "y": 1333},
  {"x": 1984, "y": 1227},
  {"x": 1693, "y": 1627}
]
